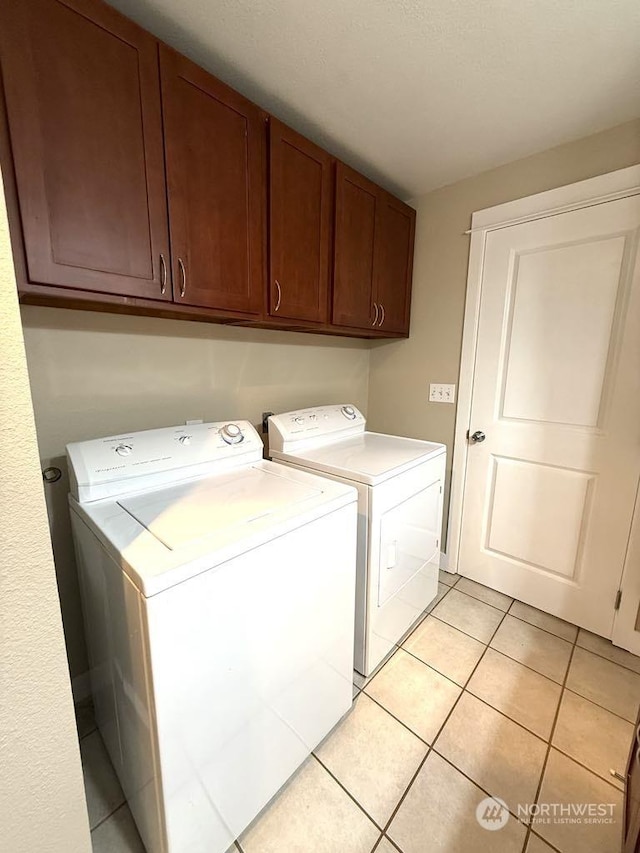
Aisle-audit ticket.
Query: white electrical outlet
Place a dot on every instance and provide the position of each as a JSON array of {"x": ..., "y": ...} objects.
[{"x": 439, "y": 393}]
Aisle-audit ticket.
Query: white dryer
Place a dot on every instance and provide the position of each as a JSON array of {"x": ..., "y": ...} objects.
[
  {"x": 400, "y": 484},
  {"x": 218, "y": 595}
]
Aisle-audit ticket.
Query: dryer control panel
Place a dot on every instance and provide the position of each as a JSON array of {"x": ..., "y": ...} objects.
[
  {"x": 308, "y": 427},
  {"x": 120, "y": 464}
]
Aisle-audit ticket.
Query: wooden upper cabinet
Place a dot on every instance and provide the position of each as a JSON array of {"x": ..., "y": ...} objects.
[
  {"x": 300, "y": 204},
  {"x": 355, "y": 228},
  {"x": 216, "y": 157},
  {"x": 393, "y": 263},
  {"x": 373, "y": 258},
  {"x": 83, "y": 104}
]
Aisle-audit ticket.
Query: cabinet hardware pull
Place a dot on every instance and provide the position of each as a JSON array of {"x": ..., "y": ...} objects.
[
  {"x": 183, "y": 274},
  {"x": 382, "y": 311},
  {"x": 163, "y": 275},
  {"x": 375, "y": 319},
  {"x": 279, "y": 295}
]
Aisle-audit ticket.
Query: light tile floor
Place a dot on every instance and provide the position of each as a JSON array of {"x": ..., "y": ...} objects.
[{"x": 486, "y": 696}]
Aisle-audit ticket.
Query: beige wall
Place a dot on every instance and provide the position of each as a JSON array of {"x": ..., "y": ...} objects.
[
  {"x": 99, "y": 374},
  {"x": 41, "y": 795},
  {"x": 401, "y": 371}
]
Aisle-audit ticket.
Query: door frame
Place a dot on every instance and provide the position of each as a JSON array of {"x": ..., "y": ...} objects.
[{"x": 603, "y": 188}]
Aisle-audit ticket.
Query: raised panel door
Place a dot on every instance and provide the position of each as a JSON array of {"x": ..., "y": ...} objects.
[
  {"x": 300, "y": 226},
  {"x": 83, "y": 104},
  {"x": 393, "y": 263},
  {"x": 355, "y": 223},
  {"x": 215, "y": 151},
  {"x": 549, "y": 495}
]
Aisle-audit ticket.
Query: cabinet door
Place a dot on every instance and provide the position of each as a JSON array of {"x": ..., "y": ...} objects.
[
  {"x": 355, "y": 220},
  {"x": 215, "y": 149},
  {"x": 83, "y": 105},
  {"x": 393, "y": 263},
  {"x": 300, "y": 226}
]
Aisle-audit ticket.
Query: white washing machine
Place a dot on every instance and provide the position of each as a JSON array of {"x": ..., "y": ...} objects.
[
  {"x": 218, "y": 594},
  {"x": 400, "y": 484}
]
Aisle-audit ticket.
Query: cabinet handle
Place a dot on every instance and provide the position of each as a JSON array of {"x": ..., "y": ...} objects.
[
  {"x": 382, "y": 312},
  {"x": 183, "y": 275},
  {"x": 279, "y": 296},
  {"x": 163, "y": 275},
  {"x": 375, "y": 319}
]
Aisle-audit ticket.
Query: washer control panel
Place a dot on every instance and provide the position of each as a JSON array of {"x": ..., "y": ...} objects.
[
  {"x": 167, "y": 454},
  {"x": 319, "y": 423}
]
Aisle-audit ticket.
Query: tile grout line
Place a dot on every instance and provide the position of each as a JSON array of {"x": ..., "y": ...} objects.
[
  {"x": 111, "y": 814},
  {"x": 446, "y": 720},
  {"x": 350, "y": 795},
  {"x": 551, "y": 734}
]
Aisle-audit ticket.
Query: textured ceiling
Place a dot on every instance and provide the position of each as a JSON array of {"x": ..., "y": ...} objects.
[{"x": 419, "y": 93}]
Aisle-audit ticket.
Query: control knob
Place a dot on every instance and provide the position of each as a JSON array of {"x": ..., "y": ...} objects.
[
  {"x": 124, "y": 449},
  {"x": 231, "y": 434},
  {"x": 348, "y": 412},
  {"x": 184, "y": 439}
]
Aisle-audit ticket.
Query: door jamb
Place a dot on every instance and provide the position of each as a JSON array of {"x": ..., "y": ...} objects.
[{"x": 603, "y": 188}]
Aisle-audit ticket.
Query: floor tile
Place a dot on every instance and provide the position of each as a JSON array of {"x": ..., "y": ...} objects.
[
  {"x": 439, "y": 814},
  {"x": 484, "y": 593},
  {"x": 544, "y": 620},
  {"x": 495, "y": 752},
  {"x": 311, "y": 813},
  {"x": 446, "y": 649},
  {"x": 117, "y": 834},
  {"x": 101, "y": 784},
  {"x": 566, "y": 782},
  {"x": 373, "y": 756},
  {"x": 594, "y": 737},
  {"x": 417, "y": 695},
  {"x": 85, "y": 718},
  {"x": 448, "y": 578},
  {"x": 605, "y": 683},
  {"x": 469, "y": 615},
  {"x": 537, "y": 845},
  {"x": 533, "y": 647},
  {"x": 606, "y": 649},
  {"x": 526, "y": 696}
]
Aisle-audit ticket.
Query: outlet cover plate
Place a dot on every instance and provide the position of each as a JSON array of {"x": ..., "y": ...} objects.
[{"x": 442, "y": 393}]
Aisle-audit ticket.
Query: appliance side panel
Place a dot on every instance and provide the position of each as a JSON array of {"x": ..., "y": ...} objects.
[
  {"x": 363, "y": 560},
  {"x": 115, "y": 635},
  {"x": 252, "y": 667}
]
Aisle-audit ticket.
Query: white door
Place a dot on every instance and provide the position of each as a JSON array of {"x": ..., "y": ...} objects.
[{"x": 549, "y": 494}]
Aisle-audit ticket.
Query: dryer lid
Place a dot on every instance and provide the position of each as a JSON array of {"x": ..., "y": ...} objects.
[
  {"x": 182, "y": 514},
  {"x": 368, "y": 458}
]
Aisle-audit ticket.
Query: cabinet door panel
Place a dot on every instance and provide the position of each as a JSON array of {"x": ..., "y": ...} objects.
[
  {"x": 300, "y": 226},
  {"x": 393, "y": 263},
  {"x": 353, "y": 255},
  {"x": 215, "y": 144},
  {"x": 83, "y": 105}
]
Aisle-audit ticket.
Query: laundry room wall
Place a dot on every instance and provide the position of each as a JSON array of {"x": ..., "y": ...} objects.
[
  {"x": 402, "y": 370},
  {"x": 95, "y": 374},
  {"x": 43, "y": 805}
]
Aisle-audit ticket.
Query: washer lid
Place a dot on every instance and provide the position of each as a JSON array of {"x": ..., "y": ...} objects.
[
  {"x": 368, "y": 458},
  {"x": 185, "y": 513}
]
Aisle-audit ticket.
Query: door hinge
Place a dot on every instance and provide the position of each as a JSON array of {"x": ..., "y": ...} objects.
[{"x": 616, "y": 606}]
